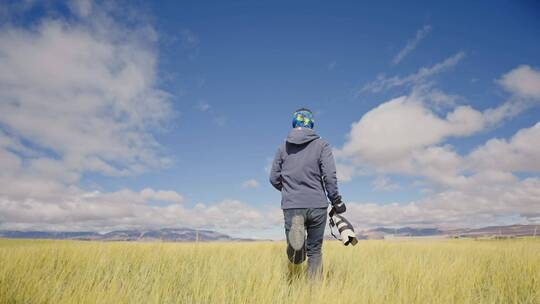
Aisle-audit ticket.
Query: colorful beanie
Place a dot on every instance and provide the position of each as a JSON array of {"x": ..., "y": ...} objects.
[{"x": 303, "y": 118}]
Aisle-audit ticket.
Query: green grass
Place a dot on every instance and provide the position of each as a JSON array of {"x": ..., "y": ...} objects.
[{"x": 436, "y": 271}]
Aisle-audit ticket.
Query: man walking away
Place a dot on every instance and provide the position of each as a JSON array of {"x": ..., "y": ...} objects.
[{"x": 305, "y": 172}]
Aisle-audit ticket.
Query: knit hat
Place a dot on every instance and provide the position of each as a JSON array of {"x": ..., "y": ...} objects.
[{"x": 303, "y": 118}]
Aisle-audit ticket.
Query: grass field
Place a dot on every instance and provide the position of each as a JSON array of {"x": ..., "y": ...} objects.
[{"x": 436, "y": 271}]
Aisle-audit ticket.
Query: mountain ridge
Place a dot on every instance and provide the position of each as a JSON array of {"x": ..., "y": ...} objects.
[
  {"x": 488, "y": 231},
  {"x": 164, "y": 234},
  {"x": 205, "y": 235}
]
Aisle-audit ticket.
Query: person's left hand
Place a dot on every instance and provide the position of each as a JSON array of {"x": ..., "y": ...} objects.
[{"x": 339, "y": 205}]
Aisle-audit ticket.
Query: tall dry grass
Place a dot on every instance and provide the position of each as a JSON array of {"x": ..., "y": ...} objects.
[{"x": 442, "y": 271}]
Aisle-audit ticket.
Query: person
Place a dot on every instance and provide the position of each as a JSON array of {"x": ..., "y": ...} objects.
[{"x": 305, "y": 172}]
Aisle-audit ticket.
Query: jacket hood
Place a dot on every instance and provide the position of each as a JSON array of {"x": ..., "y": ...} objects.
[{"x": 300, "y": 136}]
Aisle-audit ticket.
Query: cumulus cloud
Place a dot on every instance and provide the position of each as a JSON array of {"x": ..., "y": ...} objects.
[
  {"x": 412, "y": 44},
  {"x": 126, "y": 209},
  {"x": 345, "y": 172},
  {"x": 522, "y": 81},
  {"x": 408, "y": 136},
  {"x": 34, "y": 197},
  {"x": 78, "y": 95},
  {"x": 485, "y": 204},
  {"x": 521, "y": 153},
  {"x": 389, "y": 134},
  {"x": 86, "y": 95}
]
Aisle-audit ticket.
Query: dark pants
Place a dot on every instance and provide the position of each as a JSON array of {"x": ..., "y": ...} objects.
[{"x": 314, "y": 223}]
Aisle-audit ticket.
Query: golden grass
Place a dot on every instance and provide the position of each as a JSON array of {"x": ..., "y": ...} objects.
[{"x": 437, "y": 271}]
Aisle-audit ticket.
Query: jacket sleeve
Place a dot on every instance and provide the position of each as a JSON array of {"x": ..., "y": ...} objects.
[
  {"x": 328, "y": 170},
  {"x": 275, "y": 172}
]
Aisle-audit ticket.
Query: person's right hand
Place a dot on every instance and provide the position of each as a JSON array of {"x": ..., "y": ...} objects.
[{"x": 339, "y": 205}]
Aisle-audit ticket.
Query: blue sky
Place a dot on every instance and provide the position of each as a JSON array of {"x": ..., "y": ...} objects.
[{"x": 223, "y": 80}]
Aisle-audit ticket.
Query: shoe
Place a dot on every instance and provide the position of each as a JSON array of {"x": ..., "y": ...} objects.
[{"x": 297, "y": 233}]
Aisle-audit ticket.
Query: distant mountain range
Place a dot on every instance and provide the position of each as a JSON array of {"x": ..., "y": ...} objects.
[
  {"x": 491, "y": 231},
  {"x": 166, "y": 234},
  {"x": 409, "y": 231},
  {"x": 513, "y": 230},
  {"x": 190, "y": 235}
]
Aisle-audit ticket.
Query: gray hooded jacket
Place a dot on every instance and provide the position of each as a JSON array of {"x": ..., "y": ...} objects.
[{"x": 303, "y": 169}]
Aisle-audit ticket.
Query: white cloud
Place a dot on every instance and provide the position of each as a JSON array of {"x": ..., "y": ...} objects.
[
  {"x": 75, "y": 97},
  {"x": 383, "y": 83},
  {"x": 388, "y": 134},
  {"x": 412, "y": 44},
  {"x": 85, "y": 94},
  {"x": 522, "y": 81},
  {"x": 521, "y": 153},
  {"x": 35, "y": 197},
  {"x": 434, "y": 97},
  {"x": 406, "y": 136},
  {"x": 484, "y": 204},
  {"x": 344, "y": 171},
  {"x": 251, "y": 183},
  {"x": 165, "y": 196},
  {"x": 125, "y": 209},
  {"x": 81, "y": 95}
]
